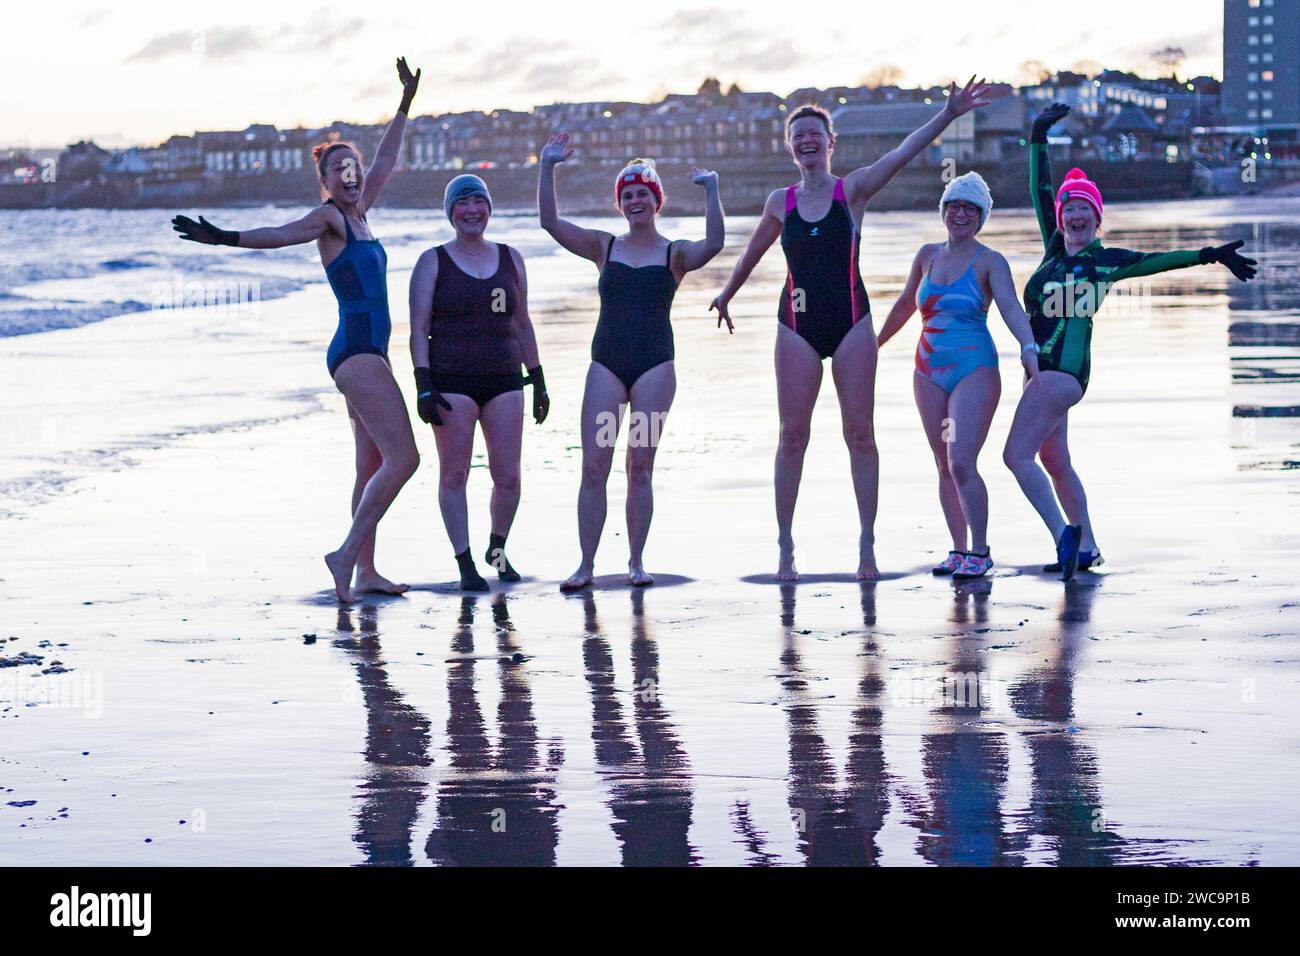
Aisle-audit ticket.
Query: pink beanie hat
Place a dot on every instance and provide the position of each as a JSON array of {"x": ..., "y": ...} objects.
[{"x": 1077, "y": 185}]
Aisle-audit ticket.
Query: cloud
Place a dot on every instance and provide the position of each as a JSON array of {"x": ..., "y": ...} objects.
[
  {"x": 182, "y": 41},
  {"x": 215, "y": 43},
  {"x": 323, "y": 34},
  {"x": 93, "y": 18},
  {"x": 223, "y": 42}
]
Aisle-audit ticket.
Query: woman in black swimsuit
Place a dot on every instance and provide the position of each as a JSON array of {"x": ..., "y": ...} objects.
[
  {"x": 824, "y": 311},
  {"x": 632, "y": 350},
  {"x": 470, "y": 336}
]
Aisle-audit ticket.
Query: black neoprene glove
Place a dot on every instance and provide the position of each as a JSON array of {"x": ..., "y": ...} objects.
[
  {"x": 204, "y": 232},
  {"x": 1046, "y": 120},
  {"x": 541, "y": 401},
  {"x": 427, "y": 398},
  {"x": 1227, "y": 254}
]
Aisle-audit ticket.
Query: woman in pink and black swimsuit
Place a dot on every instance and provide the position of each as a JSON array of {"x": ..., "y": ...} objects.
[{"x": 823, "y": 310}]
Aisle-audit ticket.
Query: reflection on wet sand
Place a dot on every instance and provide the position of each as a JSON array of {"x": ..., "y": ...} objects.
[
  {"x": 496, "y": 801},
  {"x": 837, "y": 825},
  {"x": 649, "y": 778},
  {"x": 964, "y": 762},
  {"x": 1264, "y": 347},
  {"x": 396, "y": 751},
  {"x": 496, "y": 806},
  {"x": 1066, "y": 803}
]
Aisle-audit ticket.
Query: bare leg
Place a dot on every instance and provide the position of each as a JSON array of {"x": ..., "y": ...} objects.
[
  {"x": 652, "y": 396},
  {"x": 932, "y": 403},
  {"x": 1043, "y": 405},
  {"x": 368, "y": 461},
  {"x": 854, "y": 368},
  {"x": 602, "y": 406},
  {"x": 367, "y": 383},
  {"x": 798, "y": 379},
  {"x": 1055, "y": 455},
  {"x": 971, "y": 407},
  {"x": 502, "y": 421},
  {"x": 455, "y": 441}
]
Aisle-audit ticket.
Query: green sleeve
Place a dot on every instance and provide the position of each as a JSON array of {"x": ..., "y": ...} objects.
[
  {"x": 1041, "y": 191},
  {"x": 1133, "y": 264}
]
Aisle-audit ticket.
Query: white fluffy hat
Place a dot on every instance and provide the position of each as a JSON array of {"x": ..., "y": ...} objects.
[{"x": 970, "y": 188}]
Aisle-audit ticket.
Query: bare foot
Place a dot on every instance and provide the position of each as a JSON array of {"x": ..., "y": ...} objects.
[
  {"x": 785, "y": 570},
  {"x": 578, "y": 580},
  {"x": 341, "y": 571},
  {"x": 867, "y": 570},
  {"x": 372, "y": 582},
  {"x": 638, "y": 576}
]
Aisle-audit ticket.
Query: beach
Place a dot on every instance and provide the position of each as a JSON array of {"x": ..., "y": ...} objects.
[{"x": 192, "y": 694}]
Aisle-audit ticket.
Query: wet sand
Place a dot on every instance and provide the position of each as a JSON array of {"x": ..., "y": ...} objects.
[{"x": 219, "y": 708}]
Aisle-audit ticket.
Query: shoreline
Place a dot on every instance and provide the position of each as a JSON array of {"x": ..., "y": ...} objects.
[{"x": 205, "y": 674}]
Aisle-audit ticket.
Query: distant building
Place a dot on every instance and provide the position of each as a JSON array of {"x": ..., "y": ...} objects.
[
  {"x": 1261, "y": 62},
  {"x": 82, "y": 160},
  {"x": 864, "y": 133}
]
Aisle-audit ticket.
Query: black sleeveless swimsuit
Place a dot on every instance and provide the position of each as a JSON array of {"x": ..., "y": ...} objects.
[
  {"x": 473, "y": 344},
  {"x": 633, "y": 333}
]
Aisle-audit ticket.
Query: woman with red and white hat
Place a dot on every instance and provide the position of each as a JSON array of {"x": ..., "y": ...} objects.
[
  {"x": 1061, "y": 298},
  {"x": 632, "y": 350}
]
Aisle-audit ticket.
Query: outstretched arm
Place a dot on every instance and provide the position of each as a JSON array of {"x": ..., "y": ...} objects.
[
  {"x": 588, "y": 243},
  {"x": 386, "y": 156},
  {"x": 766, "y": 232},
  {"x": 312, "y": 226},
  {"x": 1003, "y": 288},
  {"x": 1041, "y": 191},
  {"x": 1131, "y": 264},
  {"x": 695, "y": 255},
  {"x": 905, "y": 305},
  {"x": 861, "y": 184}
]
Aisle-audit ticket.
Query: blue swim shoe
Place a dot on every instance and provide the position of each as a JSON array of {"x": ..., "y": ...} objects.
[
  {"x": 1067, "y": 550},
  {"x": 1087, "y": 560}
]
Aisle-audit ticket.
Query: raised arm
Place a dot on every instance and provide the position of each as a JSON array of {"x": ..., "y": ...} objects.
[
  {"x": 1003, "y": 288},
  {"x": 690, "y": 256},
  {"x": 1041, "y": 190},
  {"x": 386, "y": 156},
  {"x": 905, "y": 305},
  {"x": 766, "y": 232},
  {"x": 588, "y": 243},
  {"x": 861, "y": 184},
  {"x": 310, "y": 227}
]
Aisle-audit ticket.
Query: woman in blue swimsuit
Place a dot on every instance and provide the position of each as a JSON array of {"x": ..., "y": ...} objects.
[
  {"x": 824, "y": 311},
  {"x": 355, "y": 264},
  {"x": 956, "y": 383}
]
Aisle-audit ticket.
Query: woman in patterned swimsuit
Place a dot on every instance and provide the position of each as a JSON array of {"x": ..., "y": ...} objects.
[{"x": 956, "y": 384}]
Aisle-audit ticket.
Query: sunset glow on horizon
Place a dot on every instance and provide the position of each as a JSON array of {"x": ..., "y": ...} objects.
[{"x": 137, "y": 73}]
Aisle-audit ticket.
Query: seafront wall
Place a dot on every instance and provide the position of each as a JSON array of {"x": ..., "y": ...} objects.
[{"x": 586, "y": 189}]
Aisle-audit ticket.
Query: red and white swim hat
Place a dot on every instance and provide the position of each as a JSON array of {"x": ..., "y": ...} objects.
[{"x": 642, "y": 172}]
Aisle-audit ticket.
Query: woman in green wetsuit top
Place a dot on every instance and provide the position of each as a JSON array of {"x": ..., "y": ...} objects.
[{"x": 1061, "y": 298}]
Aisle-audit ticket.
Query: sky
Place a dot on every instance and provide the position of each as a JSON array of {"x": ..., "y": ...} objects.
[{"x": 137, "y": 71}]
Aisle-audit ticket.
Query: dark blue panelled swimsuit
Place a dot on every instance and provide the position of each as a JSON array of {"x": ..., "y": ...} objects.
[{"x": 359, "y": 278}]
